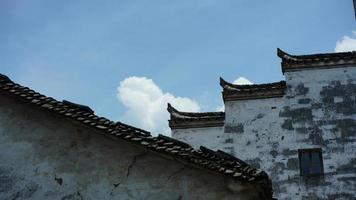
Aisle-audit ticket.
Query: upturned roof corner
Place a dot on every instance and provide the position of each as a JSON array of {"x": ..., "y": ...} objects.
[
  {"x": 171, "y": 109},
  {"x": 222, "y": 82},
  {"x": 285, "y": 56}
]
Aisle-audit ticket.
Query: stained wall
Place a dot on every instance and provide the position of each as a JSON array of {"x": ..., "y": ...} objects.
[
  {"x": 44, "y": 156},
  {"x": 318, "y": 110}
]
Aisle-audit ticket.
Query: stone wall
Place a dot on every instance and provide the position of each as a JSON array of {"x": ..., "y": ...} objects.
[
  {"x": 318, "y": 110},
  {"x": 44, "y": 156}
]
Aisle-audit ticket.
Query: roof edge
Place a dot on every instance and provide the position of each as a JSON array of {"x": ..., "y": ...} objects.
[
  {"x": 316, "y": 61},
  {"x": 285, "y": 56},
  {"x": 185, "y": 125},
  {"x": 228, "y": 97},
  {"x": 173, "y": 110},
  {"x": 182, "y": 120},
  {"x": 232, "y": 92}
]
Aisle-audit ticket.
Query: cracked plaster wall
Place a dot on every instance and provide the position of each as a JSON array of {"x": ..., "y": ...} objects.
[
  {"x": 44, "y": 156},
  {"x": 318, "y": 110}
]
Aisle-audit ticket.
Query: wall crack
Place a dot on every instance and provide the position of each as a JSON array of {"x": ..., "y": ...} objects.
[
  {"x": 176, "y": 173},
  {"x": 133, "y": 162}
]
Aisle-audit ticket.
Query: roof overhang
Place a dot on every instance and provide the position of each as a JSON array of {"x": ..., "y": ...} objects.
[
  {"x": 316, "y": 61},
  {"x": 232, "y": 92},
  {"x": 183, "y": 120},
  {"x": 195, "y": 124}
]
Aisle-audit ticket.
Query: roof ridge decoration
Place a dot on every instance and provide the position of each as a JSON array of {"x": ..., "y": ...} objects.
[
  {"x": 232, "y": 92},
  {"x": 194, "y": 119},
  {"x": 215, "y": 161},
  {"x": 312, "y": 61}
]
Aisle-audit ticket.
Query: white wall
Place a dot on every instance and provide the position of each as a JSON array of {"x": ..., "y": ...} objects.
[
  {"x": 318, "y": 110},
  {"x": 196, "y": 137}
]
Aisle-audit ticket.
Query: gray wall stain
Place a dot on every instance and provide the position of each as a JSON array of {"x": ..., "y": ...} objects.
[
  {"x": 44, "y": 156},
  {"x": 317, "y": 111}
]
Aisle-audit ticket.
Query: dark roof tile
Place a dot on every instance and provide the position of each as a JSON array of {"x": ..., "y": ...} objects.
[
  {"x": 194, "y": 119},
  {"x": 255, "y": 91},
  {"x": 312, "y": 61}
]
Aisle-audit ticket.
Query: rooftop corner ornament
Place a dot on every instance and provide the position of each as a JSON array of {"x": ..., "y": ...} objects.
[{"x": 355, "y": 7}]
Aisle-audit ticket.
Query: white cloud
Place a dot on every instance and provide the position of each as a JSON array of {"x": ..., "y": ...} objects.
[
  {"x": 242, "y": 81},
  {"x": 146, "y": 104},
  {"x": 347, "y": 43},
  {"x": 220, "y": 108}
]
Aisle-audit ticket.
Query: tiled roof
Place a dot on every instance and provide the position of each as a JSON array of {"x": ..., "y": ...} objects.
[
  {"x": 217, "y": 161},
  {"x": 194, "y": 120},
  {"x": 327, "y": 60},
  {"x": 255, "y": 91}
]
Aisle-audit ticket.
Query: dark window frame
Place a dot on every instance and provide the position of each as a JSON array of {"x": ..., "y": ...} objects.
[{"x": 309, "y": 152}]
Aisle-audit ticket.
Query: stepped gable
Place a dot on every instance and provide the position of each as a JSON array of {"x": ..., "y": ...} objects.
[
  {"x": 233, "y": 92},
  {"x": 217, "y": 162},
  {"x": 194, "y": 119},
  {"x": 312, "y": 61}
]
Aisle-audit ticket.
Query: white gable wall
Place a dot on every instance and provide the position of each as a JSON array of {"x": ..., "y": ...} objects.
[
  {"x": 318, "y": 110},
  {"x": 196, "y": 137}
]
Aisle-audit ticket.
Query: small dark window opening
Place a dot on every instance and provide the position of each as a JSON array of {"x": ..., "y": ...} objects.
[{"x": 310, "y": 162}]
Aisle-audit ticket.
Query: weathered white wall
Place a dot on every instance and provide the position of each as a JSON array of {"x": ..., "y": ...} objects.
[
  {"x": 318, "y": 110},
  {"x": 251, "y": 125},
  {"x": 44, "y": 156},
  {"x": 196, "y": 137},
  {"x": 321, "y": 112}
]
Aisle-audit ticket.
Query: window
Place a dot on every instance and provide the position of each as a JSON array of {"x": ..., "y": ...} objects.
[{"x": 310, "y": 162}]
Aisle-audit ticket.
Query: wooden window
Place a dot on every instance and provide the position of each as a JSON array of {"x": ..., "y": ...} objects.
[{"x": 310, "y": 162}]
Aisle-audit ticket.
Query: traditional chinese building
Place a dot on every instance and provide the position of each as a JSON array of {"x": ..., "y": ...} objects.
[
  {"x": 301, "y": 130},
  {"x": 53, "y": 149}
]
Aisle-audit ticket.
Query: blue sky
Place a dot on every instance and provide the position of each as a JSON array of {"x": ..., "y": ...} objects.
[{"x": 81, "y": 50}]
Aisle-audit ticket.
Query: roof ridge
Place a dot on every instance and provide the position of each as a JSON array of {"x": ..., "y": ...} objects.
[
  {"x": 173, "y": 110},
  {"x": 161, "y": 144},
  {"x": 254, "y": 91},
  {"x": 180, "y": 119},
  {"x": 284, "y": 55},
  {"x": 224, "y": 83},
  {"x": 320, "y": 60}
]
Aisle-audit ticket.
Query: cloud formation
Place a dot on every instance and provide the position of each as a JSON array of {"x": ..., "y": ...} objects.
[
  {"x": 242, "y": 81},
  {"x": 220, "y": 108},
  {"x": 146, "y": 104},
  {"x": 347, "y": 43}
]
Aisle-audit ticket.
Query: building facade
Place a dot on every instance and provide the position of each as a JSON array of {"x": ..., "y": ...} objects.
[
  {"x": 53, "y": 149},
  {"x": 302, "y": 131}
]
